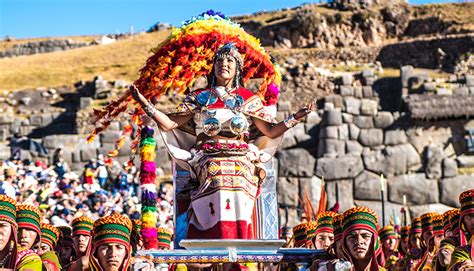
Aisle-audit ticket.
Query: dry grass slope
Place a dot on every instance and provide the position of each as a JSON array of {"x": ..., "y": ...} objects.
[
  {"x": 119, "y": 60},
  {"x": 123, "y": 59}
]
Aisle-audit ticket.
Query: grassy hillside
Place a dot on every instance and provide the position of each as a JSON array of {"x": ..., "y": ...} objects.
[
  {"x": 119, "y": 60},
  {"x": 123, "y": 59}
]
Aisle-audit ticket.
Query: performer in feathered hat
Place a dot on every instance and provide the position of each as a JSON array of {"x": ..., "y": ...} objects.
[{"x": 221, "y": 133}]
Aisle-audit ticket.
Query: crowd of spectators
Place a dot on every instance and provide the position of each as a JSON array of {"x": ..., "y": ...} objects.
[{"x": 101, "y": 188}]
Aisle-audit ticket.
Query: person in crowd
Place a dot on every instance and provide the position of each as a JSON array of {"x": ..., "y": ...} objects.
[
  {"x": 403, "y": 241},
  {"x": 111, "y": 249},
  {"x": 82, "y": 241},
  {"x": 360, "y": 238},
  {"x": 82, "y": 235},
  {"x": 389, "y": 240},
  {"x": 462, "y": 257},
  {"x": 336, "y": 250},
  {"x": 324, "y": 234},
  {"x": 65, "y": 247},
  {"x": 47, "y": 251},
  {"x": 28, "y": 218},
  {"x": 8, "y": 233}
]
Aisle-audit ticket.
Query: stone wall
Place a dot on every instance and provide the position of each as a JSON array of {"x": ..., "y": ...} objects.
[
  {"x": 428, "y": 53},
  {"x": 350, "y": 141},
  {"x": 39, "y": 47}
]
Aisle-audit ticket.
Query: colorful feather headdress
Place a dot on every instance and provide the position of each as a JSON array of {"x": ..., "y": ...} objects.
[{"x": 186, "y": 55}]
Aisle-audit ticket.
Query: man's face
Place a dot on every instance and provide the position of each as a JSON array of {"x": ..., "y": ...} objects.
[
  {"x": 444, "y": 256},
  {"x": 415, "y": 240},
  {"x": 27, "y": 238},
  {"x": 437, "y": 239},
  {"x": 388, "y": 244},
  {"x": 468, "y": 221},
  {"x": 358, "y": 243},
  {"x": 65, "y": 253},
  {"x": 5, "y": 234},
  {"x": 81, "y": 242},
  {"x": 339, "y": 252},
  {"x": 404, "y": 245},
  {"x": 426, "y": 237},
  {"x": 324, "y": 240},
  {"x": 111, "y": 256},
  {"x": 44, "y": 248}
]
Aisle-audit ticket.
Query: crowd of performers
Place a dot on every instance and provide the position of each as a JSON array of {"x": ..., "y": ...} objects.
[
  {"x": 431, "y": 242},
  {"x": 109, "y": 243}
]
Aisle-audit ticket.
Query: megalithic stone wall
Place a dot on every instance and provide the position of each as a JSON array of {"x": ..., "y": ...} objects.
[{"x": 350, "y": 141}]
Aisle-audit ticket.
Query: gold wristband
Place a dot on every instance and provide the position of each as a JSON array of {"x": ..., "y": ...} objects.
[{"x": 290, "y": 121}]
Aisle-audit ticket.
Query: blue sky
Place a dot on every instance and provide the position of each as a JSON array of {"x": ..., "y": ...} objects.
[{"x": 48, "y": 18}]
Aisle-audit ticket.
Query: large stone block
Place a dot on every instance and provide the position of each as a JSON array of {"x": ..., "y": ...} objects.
[
  {"x": 109, "y": 136},
  {"x": 434, "y": 157},
  {"x": 331, "y": 147},
  {"x": 369, "y": 81},
  {"x": 450, "y": 168},
  {"x": 343, "y": 132},
  {"x": 469, "y": 80},
  {"x": 6, "y": 117},
  {"x": 371, "y": 137},
  {"x": 35, "y": 120},
  {"x": 334, "y": 99},
  {"x": 288, "y": 191},
  {"x": 412, "y": 156},
  {"x": 367, "y": 186},
  {"x": 465, "y": 161},
  {"x": 395, "y": 137},
  {"x": 288, "y": 217},
  {"x": 46, "y": 119},
  {"x": 416, "y": 187},
  {"x": 346, "y": 90},
  {"x": 347, "y": 118},
  {"x": 383, "y": 120},
  {"x": 313, "y": 118},
  {"x": 417, "y": 211},
  {"x": 343, "y": 167},
  {"x": 358, "y": 93},
  {"x": 354, "y": 131},
  {"x": 312, "y": 186},
  {"x": 288, "y": 141},
  {"x": 369, "y": 107},
  {"x": 352, "y": 105},
  {"x": 332, "y": 117},
  {"x": 393, "y": 160},
  {"x": 451, "y": 188},
  {"x": 354, "y": 147},
  {"x": 68, "y": 141},
  {"x": 364, "y": 122},
  {"x": 345, "y": 190},
  {"x": 376, "y": 205},
  {"x": 4, "y": 152},
  {"x": 329, "y": 132},
  {"x": 347, "y": 79},
  {"x": 406, "y": 72},
  {"x": 367, "y": 91},
  {"x": 296, "y": 162},
  {"x": 88, "y": 154}
]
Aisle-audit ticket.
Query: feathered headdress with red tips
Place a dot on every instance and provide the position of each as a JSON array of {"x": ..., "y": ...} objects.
[{"x": 186, "y": 55}]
